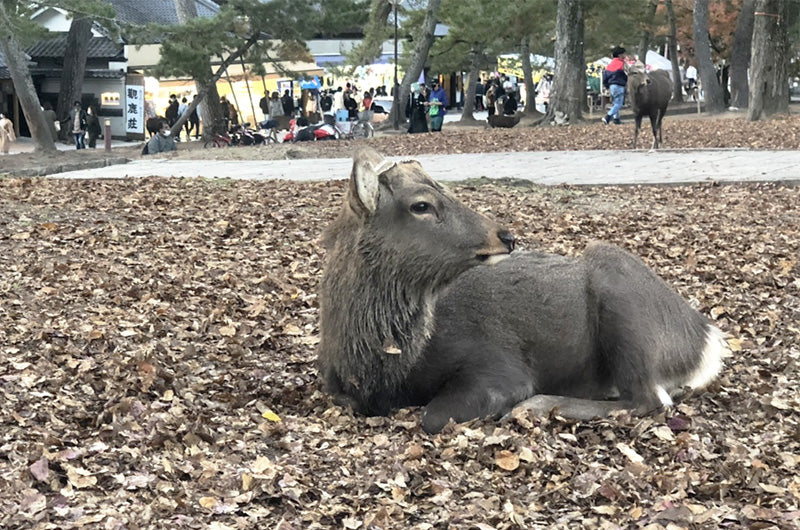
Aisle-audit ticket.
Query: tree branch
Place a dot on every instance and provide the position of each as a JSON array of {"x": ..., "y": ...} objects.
[{"x": 229, "y": 60}]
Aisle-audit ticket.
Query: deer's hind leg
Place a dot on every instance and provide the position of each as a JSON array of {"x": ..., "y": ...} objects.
[
  {"x": 571, "y": 407},
  {"x": 649, "y": 338}
]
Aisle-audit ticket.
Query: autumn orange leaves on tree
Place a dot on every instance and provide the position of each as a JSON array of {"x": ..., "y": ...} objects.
[{"x": 722, "y": 17}]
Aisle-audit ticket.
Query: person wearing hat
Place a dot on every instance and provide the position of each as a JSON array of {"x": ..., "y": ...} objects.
[
  {"x": 615, "y": 79},
  {"x": 438, "y": 103}
]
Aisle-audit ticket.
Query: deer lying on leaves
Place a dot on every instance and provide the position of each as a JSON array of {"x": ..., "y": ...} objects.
[
  {"x": 423, "y": 303},
  {"x": 650, "y": 93}
]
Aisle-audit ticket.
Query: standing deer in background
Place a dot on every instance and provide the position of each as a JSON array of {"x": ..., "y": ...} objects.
[
  {"x": 650, "y": 93},
  {"x": 421, "y": 304}
]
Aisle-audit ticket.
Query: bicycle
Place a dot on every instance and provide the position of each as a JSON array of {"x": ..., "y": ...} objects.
[
  {"x": 223, "y": 139},
  {"x": 359, "y": 128},
  {"x": 267, "y": 132}
]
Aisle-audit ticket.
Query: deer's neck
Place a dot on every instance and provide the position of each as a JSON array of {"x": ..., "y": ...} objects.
[{"x": 375, "y": 327}]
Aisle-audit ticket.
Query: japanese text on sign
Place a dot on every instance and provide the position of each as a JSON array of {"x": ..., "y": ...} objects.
[{"x": 134, "y": 109}]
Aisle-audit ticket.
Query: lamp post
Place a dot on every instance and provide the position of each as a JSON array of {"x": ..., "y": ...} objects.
[
  {"x": 107, "y": 135},
  {"x": 396, "y": 90}
]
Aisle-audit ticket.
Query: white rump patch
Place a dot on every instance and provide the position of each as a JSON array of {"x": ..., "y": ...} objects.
[
  {"x": 495, "y": 259},
  {"x": 715, "y": 349},
  {"x": 663, "y": 396}
]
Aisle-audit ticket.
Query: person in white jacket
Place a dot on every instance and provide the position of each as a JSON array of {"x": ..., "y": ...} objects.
[{"x": 7, "y": 136}]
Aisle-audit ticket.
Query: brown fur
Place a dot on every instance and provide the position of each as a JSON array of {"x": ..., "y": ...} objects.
[
  {"x": 410, "y": 314},
  {"x": 650, "y": 93},
  {"x": 377, "y": 295}
]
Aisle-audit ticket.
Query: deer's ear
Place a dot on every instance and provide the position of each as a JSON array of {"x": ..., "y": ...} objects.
[{"x": 368, "y": 166}]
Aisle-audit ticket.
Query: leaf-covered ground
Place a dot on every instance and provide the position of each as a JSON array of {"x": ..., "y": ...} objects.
[{"x": 157, "y": 369}]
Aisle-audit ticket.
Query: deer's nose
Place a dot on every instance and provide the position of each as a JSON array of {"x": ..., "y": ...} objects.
[{"x": 507, "y": 238}]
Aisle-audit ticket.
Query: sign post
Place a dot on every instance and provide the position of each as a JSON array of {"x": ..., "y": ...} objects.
[
  {"x": 107, "y": 135},
  {"x": 134, "y": 109}
]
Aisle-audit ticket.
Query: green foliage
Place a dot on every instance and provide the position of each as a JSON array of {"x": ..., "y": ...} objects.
[
  {"x": 15, "y": 16},
  {"x": 498, "y": 28},
  {"x": 333, "y": 17},
  {"x": 258, "y": 32},
  {"x": 610, "y": 23},
  {"x": 378, "y": 28},
  {"x": 492, "y": 28}
]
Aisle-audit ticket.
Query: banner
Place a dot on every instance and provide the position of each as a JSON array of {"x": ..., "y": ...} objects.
[{"x": 134, "y": 109}]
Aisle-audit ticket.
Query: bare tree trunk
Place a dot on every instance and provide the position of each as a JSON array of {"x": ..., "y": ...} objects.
[
  {"x": 527, "y": 76},
  {"x": 672, "y": 43},
  {"x": 78, "y": 38},
  {"x": 472, "y": 79},
  {"x": 769, "y": 87},
  {"x": 569, "y": 80},
  {"x": 210, "y": 107},
  {"x": 17, "y": 63},
  {"x": 740, "y": 54},
  {"x": 714, "y": 97},
  {"x": 647, "y": 32},
  {"x": 424, "y": 41}
]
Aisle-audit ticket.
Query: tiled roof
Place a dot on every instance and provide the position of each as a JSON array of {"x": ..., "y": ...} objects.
[
  {"x": 88, "y": 74},
  {"x": 99, "y": 48},
  {"x": 4, "y": 73},
  {"x": 104, "y": 74},
  {"x": 140, "y": 12}
]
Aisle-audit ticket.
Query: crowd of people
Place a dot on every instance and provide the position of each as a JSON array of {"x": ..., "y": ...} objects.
[
  {"x": 500, "y": 95},
  {"x": 425, "y": 110}
]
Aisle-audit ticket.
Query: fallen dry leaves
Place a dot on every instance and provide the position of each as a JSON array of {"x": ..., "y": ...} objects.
[
  {"x": 680, "y": 132},
  {"x": 156, "y": 369}
]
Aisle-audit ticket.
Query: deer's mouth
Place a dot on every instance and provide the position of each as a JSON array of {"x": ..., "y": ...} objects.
[
  {"x": 499, "y": 251},
  {"x": 491, "y": 259}
]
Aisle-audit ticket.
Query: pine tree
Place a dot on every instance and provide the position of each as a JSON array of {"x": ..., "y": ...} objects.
[
  {"x": 18, "y": 30},
  {"x": 769, "y": 86},
  {"x": 740, "y": 55},
  {"x": 423, "y": 42},
  {"x": 569, "y": 80},
  {"x": 71, "y": 86}
]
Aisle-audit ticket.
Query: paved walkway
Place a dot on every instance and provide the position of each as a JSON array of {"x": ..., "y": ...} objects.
[{"x": 542, "y": 167}]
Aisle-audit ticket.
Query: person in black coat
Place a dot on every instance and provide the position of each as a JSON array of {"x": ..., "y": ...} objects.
[
  {"x": 93, "y": 130},
  {"x": 351, "y": 105},
  {"x": 263, "y": 103},
  {"x": 416, "y": 111},
  {"x": 172, "y": 110},
  {"x": 288, "y": 104},
  {"x": 510, "y": 105}
]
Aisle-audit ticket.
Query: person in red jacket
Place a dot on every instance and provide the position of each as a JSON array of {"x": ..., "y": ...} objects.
[{"x": 615, "y": 79}]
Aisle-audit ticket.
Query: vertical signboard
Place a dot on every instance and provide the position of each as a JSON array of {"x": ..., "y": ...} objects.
[{"x": 134, "y": 109}]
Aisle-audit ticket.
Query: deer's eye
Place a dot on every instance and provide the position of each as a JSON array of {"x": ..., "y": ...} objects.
[{"x": 421, "y": 207}]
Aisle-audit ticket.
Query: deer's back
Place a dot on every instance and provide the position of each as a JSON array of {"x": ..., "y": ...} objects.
[{"x": 526, "y": 318}]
